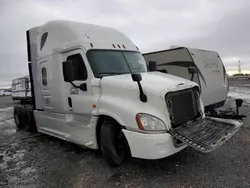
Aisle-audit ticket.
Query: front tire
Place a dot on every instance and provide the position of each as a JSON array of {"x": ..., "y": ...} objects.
[{"x": 114, "y": 145}]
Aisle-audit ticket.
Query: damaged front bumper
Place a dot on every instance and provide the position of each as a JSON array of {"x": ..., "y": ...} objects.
[{"x": 206, "y": 134}]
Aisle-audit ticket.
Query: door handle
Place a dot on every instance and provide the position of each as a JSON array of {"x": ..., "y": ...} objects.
[{"x": 70, "y": 101}]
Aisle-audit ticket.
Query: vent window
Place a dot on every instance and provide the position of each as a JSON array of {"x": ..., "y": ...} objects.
[{"x": 43, "y": 40}]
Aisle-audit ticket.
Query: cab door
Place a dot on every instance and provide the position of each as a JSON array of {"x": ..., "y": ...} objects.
[{"x": 80, "y": 101}]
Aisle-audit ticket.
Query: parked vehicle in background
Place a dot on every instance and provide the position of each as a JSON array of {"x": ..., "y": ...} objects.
[
  {"x": 1, "y": 92},
  {"x": 90, "y": 86},
  {"x": 201, "y": 66},
  {"x": 21, "y": 89},
  {"x": 5, "y": 92}
]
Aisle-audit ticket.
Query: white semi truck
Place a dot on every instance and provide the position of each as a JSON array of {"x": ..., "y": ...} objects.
[
  {"x": 90, "y": 86},
  {"x": 21, "y": 89}
]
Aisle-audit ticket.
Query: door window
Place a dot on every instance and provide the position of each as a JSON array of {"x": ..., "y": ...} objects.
[{"x": 82, "y": 71}]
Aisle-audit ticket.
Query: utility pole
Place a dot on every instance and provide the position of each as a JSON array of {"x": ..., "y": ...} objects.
[{"x": 239, "y": 67}]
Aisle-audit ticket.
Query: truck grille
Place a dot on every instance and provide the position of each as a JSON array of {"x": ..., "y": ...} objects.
[{"x": 182, "y": 106}]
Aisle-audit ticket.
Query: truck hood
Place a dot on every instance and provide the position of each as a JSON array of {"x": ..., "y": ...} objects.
[{"x": 155, "y": 83}]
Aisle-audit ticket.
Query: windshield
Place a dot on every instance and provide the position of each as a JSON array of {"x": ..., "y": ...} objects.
[{"x": 110, "y": 62}]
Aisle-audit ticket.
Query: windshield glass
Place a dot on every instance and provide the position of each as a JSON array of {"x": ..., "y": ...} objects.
[{"x": 110, "y": 62}]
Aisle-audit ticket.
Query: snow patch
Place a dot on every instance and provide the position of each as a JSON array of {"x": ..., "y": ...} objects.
[
  {"x": 240, "y": 92},
  {"x": 9, "y": 131},
  {"x": 6, "y": 109},
  {"x": 11, "y": 157},
  {"x": 28, "y": 170},
  {"x": 6, "y": 113}
]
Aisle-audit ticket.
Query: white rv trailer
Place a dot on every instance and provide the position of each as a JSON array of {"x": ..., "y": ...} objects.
[
  {"x": 90, "y": 86},
  {"x": 21, "y": 89},
  {"x": 210, "y": 72}
]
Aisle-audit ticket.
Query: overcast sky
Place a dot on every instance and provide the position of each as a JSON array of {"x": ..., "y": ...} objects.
[{"x": 221, "y": 25}]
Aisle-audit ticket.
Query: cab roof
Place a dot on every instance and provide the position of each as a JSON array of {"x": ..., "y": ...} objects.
[{"x": 56, "y": 35}]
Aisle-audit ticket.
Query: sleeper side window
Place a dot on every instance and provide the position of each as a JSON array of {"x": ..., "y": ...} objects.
[
  {"x": 81, "y": 70},
  {"x": 43, "y": 40},
  {"x": 44, "y": 76}
]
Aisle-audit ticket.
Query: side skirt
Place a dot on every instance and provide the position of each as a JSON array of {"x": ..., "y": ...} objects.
[{"x": 76, "y": 128}]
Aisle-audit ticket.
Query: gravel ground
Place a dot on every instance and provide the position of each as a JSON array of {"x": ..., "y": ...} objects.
[{"x": 37, "y": 160}]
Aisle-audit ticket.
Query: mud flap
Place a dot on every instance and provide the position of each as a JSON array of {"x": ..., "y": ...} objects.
[{"x": 206, "y": 134}]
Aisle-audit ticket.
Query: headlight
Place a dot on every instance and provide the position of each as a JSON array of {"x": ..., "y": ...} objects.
[{"x": 149, "y": 123}]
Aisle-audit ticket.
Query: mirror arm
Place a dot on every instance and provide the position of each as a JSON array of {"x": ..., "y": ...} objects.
[
  {"x": 137, "y": 78},
  {"x": 143, "y": 97},
  {"x": 74, "y": 85},
  {"x": 82, "y": 87}
]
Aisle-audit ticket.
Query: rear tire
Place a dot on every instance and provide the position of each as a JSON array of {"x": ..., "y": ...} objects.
[
  {"x": 30, "y": 124},
  {"x": 18, "y": 118},
  {"x": 22, "y": 101},
  {"x": 24, "y": 119},
  {"x": 114, "y": 145}
]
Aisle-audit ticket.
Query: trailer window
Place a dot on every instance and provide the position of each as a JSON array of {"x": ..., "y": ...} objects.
[
  {"x": 27, "y": 83},
  {"x": 44, "y": 76},
  {"x": 22, "y": 83},
  {"x": 82, "y": 71}
]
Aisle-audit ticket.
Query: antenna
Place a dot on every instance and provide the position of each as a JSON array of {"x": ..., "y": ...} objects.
[{"x": 239, "y": 67}]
